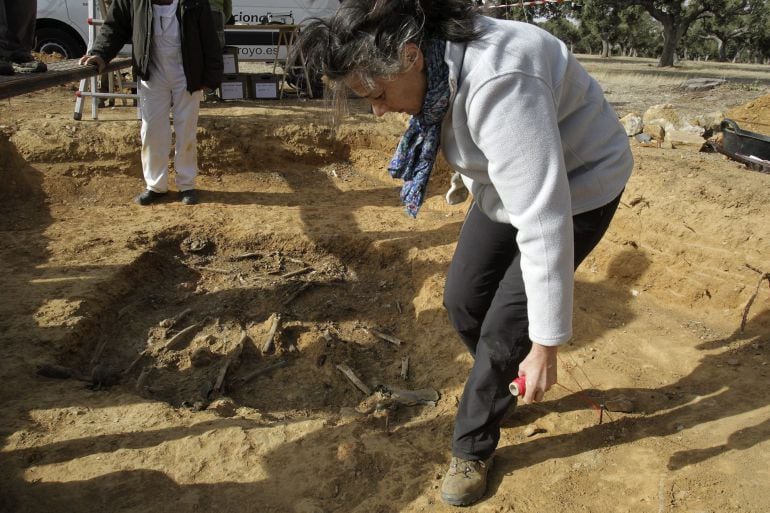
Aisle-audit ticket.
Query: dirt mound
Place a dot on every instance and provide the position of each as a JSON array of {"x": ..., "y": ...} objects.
[{"x": 753, "y": 116}]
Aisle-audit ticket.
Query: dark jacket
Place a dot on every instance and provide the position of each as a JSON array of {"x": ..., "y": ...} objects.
[{"x": 130, "y": 21}]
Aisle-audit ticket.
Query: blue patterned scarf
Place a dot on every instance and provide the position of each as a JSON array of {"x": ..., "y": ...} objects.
[{"x": 417, "y": 150}]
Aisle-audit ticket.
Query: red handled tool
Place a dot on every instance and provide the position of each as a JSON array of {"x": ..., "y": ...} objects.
[{"x": 518, "y": 386}]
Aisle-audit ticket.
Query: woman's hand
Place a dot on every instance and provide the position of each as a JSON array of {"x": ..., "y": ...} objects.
[{"x": 539, "y": 369}]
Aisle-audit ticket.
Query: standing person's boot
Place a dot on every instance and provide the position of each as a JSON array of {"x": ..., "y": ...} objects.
[
  {"x": 465, "y": 482},
  {"x": 6, "y": 67},
  {"x": 189, "y": 197},
  {"x": 28, "y": 64},
  {"x": 149, "y": 197}
]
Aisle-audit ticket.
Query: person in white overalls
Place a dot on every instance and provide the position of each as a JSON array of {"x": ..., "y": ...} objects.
[
  {"x": 176, "y": 53},
  {"x": 164, "y": 91}
]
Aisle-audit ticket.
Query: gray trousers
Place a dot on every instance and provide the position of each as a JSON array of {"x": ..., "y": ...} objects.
[
  {"x": 487, "y": 305},
  {"x": 17, "y": 29}
]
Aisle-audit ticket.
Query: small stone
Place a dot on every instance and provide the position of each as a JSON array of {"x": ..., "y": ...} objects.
[
  {"x": 224, "y": 407},
  {"x": 532, "y": 430},
  {"x": 643, "y": 138},
  {"x": 734, "y": 362},
  {"x": 701, "y": 84}
]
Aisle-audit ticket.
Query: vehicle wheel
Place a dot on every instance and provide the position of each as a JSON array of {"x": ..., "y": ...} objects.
[{"x": 56, "y": 40}]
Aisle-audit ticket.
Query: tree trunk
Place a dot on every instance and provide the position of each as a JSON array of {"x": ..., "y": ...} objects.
[
  {"x": 669, "y": 47},
  {"x": 605, "y": 48},
  {"x": 721, "y": 50},
  {"x": 737, "y": 55}
]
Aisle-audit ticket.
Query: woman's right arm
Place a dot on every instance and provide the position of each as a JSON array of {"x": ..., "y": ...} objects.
[{"x": 513, "y": 120}]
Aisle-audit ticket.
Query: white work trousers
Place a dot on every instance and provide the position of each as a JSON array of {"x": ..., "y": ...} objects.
[{"x": 166, "y": 91}]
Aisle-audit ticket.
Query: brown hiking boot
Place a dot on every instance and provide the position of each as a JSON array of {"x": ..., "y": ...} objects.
[{"x": 465, "y": 482}]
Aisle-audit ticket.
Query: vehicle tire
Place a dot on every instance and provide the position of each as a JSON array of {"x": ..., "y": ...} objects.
[{"x": 56, "y": 40}]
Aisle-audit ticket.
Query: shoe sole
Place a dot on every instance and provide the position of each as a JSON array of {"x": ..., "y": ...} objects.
[
  {"x": 158, "y": 196},
  {"x": 466, "y": 501}
]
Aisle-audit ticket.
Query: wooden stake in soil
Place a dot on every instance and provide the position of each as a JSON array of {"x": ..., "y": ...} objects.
[
  {"x": 348, "y": 372},
  {"x": 269, "y": 344}
]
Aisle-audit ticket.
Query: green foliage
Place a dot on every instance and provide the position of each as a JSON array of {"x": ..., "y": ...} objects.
[{"x": 667, "y": 29}]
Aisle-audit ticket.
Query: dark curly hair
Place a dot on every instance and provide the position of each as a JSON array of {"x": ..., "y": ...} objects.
[{"x": 367, "y": 37}]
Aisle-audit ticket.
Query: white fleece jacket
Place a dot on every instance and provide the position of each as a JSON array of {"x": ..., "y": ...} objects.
[{"x": 536, "y": 143}]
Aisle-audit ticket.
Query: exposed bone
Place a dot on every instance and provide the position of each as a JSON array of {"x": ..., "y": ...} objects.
[
  {"x": 263, "y": 371},
  {"x": 297, "y": 292},
  {"x": 385, "y": 397},
  {"x": 405, "y": 367},
  {"x": 180, "y": 338},
  {"x": 144, "y": 376},
  {"x": 246, "y": 256},
  {"x": 103, "y": 375},
  {"x": 426, "y": 396},
  {"x": 383, "y": 336},
  {"x": 298, "y": 272},
  {"x": 348, "y": 372},
  {"x": 269, "y": 344},
  {"x": 212, "y": 269},
  {"x": 169, "y": 323},
  {"x": 98, "y": 352},
  {"x": 136, "y": 361},
  {"x": 123, "y": 311},
  {"x": 231, "y": 359},
  {"x": 398, "y": 307},
  {"x": 60, "y": 372}
]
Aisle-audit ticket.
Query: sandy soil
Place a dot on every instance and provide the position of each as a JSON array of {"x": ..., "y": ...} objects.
[{"x": 298, "y": 223}]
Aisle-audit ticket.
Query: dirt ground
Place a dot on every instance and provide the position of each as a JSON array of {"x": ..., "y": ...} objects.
[{"x": 105, "y": 408}]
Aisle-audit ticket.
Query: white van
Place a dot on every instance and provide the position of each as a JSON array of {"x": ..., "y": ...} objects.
[{"x": 62, "y": 25}]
